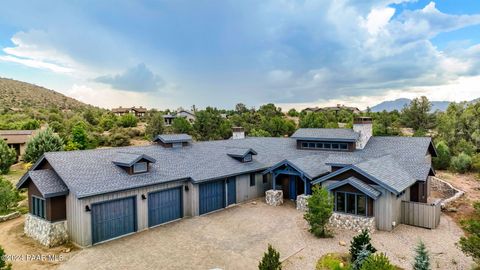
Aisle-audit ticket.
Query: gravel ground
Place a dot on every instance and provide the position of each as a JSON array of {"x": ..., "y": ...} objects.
[{"x": 398, "y": 245}]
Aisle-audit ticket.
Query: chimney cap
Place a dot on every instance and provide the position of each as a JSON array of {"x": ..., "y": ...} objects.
[{"x": 362, "y": 120}]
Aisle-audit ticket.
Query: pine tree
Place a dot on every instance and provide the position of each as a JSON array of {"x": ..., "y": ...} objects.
[
  {"x": 422, "y": 261},
  {"x": 7, "y": 157},
  {"x": 270, "y": 260},
  {"x": 319, "y": 211},
  {"x": 359, "y": 242},
  {"x": 3, "y": 264},
  {"x": 44, "y": 141},
  {"x": 361, "y": 257}
]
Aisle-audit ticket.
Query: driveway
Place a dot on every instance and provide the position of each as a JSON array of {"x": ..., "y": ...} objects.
[{"x": 237, "y": 237}]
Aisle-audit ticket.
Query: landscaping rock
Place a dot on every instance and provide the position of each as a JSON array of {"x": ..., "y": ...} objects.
[
  {"x": 342, "y": 243},
  {"x": 351, "y": 222},
  {"x": 274, "y": 197},
  {"x": 10, "y": 216},
  {"x": 302, "y": 202}
]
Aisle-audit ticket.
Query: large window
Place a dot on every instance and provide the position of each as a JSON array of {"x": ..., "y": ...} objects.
[
  {"x": 336, "y": 146},
  {"x": 351, "y": 203},
  {"x": 252, "y": 179},
  {"x": 38, "y": 207}
]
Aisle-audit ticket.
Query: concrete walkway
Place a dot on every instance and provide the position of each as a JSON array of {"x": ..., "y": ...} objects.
[{"x": 236, "y": 238}]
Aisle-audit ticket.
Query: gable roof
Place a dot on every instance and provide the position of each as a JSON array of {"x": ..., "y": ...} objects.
[
  {"x": 47, "y": 182},
  {"x": 328, "y": 134},
  {"x": 358, "y": 184},
  {"x": 173, "y": 138},
  {"x": 128, "y": 159},
  {"x": 240, "y": 152}
]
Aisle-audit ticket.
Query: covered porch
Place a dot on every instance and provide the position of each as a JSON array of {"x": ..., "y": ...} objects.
[{"x": 290, "y": 179}]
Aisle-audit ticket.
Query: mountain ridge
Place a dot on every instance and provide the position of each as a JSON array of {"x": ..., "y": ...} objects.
[{"x": 399, "y": 103}]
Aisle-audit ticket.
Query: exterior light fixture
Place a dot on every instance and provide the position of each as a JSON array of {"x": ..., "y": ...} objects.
[
  {"x": 144, "y": 197},
  {"x": 87, "y": 208},
  {"x": 186, "y": 188}
]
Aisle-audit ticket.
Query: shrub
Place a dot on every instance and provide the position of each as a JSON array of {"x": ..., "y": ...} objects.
[
  {"x": 31, "y": 124},
  {"x": 7, "y": 157},
  {"x": 422, "y": 261},
  {"x": 3, "y": 264},
  {"x": 44, "y": 141},
  {"x": 270, "y": 260},
  {"x": 128, "y": 120},
  {"x": 154, "y": 126},
  {"x": 461, "y": 163},
  {"x": 442, "y": 161},
  {"x": 319, "y": 211},
  {"x": 377, "y": 262},
  {"x": 476, "y": 163},
  {"x": 118, "y": 139},
  {"x": 361, "y": 257},
  {"x": 360, "y": 242},
  {"x": 258, "y": 133},
  {"x": 470, "y": 244},
  {"x": 9, "y": 196},
  {"x": 79, "y": 136},
  {"x": 181, "y": 125},
  {"x": 333, "y": 262}
]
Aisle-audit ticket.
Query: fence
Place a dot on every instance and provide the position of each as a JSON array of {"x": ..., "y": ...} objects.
[{"x": 426, "y": 215}]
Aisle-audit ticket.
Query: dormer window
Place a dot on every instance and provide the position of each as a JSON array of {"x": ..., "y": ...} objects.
[
  {"x": 133, "y": 163},
  {"x": 241, "y": 154},
  {"x": 173, "y": 140}
]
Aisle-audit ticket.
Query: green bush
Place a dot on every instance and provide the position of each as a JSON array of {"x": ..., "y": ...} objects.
[
  {"x": 461, "y": 163},
  {"x": 9, "y": 196},
  {"x": 79, "y": 136},
  {"x": 442, "y": 161},
  {"x": 377, "y": 262},
  {"x": 44, "y": 141},
  {"x": 470, "y": 244},
  {"x": 154, "y": 126},
  {"x": 258, "y": 133},
  {"x": 8, "y": 156},
  {"x": 333, "y": 261},
  {"x": 476, "y": 163},
  {"x": 270, "y": 260},
  {"x": 319, "y": 211},
  {"x": 362, "y": 255},
  {"x": 359, "y": 242},
  {"x": 118, "y": 139},
  {"x": 422, "y": 260},
  {"x": 181, "y": 125},
  {"x": 3, "y": 264},
  {"x": 31, "y": 124},
  {"x": 128, "y": 120}
]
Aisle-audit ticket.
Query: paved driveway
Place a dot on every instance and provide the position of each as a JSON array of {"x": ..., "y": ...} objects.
[{"x": 237, "y": 237}]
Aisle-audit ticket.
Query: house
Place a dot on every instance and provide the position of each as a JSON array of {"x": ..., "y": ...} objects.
[
  {"x": 335, "y": 109},
  {"x": 17, "y": 139},
  {"x": 189, "y": 115},
  {"x": 92, "y": 196},
  {"x": 138, "y": 112}
]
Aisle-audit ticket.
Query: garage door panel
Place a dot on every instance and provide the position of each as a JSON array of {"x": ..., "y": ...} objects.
[
  {"x": 164, "y": 206},
  {"x": 113, "y": 218},
  {"x": 212, "y": 196}
]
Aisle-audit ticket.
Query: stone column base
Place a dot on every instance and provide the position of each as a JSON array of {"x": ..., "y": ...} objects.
[
  {"x": 302, "y": 203},
  {"x": 352, "y": 222},
  {"x": 48, "y": 233},
  {"x": 274, "y": 197}
]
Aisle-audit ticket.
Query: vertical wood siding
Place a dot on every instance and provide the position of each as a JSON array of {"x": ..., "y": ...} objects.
[{"x": 421, "y": 214}]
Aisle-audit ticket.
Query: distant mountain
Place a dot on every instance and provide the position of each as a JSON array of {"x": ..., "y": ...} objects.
[
  {"x": 17, "y": 95},
  {"x": 398, "y": 104}
]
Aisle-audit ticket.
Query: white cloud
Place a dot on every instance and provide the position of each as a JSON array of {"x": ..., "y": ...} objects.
[
  {"x": 378, "y": 18},
  {"x": 135, "y": 79}
]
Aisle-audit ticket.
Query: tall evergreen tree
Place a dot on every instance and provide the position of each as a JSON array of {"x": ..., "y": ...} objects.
[
  {"x": 270, "y": 260},
  {"x": 360, "y": 242},
  {"x": 7, "y": 157},
  {"x": 422, "y": 260},
  {"x": 44, "y": 141}
]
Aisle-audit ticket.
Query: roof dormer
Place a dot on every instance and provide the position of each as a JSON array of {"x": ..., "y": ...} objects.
[
  {"x": 133, "y": 163},
  {"x": 241, "y": 154},
  {"x": 173, "y": 140},
  {"x": 333, "y": 139}
]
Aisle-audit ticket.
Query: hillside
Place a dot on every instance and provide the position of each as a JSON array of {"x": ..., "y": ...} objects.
[
  {"x": 17, "y": 94},
  {"x": 398, "y": 104}
]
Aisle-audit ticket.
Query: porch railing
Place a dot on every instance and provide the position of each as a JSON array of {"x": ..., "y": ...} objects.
[{"x": 426, "y": 215}]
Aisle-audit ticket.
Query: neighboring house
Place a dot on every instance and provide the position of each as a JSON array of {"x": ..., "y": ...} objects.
[
  {"x": 189, "y": 115},
  {"x": 138, "y": 112},
  {"x": 335, "y": 109},
  {"x": 168, "y": 119},
  {"x": 96, "y": 195},
  {"x": 17, "y": 139}
]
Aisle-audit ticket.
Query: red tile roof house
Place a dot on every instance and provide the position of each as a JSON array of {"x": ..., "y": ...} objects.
[{"x": 92, "y": 196}]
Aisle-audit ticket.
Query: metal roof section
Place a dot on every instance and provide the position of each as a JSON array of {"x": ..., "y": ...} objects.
[{"x": 326, "y": 134}]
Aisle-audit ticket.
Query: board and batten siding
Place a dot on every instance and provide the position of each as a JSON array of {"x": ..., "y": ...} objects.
[
  {"x": 245, "y": 192},
  {"x": 79, "y": 221}
]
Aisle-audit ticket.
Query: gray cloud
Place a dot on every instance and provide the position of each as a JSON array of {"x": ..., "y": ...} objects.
[{"x": 135, "y": 79}]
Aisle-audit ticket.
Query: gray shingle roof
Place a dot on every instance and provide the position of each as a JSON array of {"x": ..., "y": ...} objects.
[
  {"x": 360, "y": 185},
  {"x": 91, "y": 172},
  {"x": 46, "y": 181},
  {"x": 240, "y": 152},
  {"x": 128, "y": 159},
  {"x": 173, "y": 138},
  {"x": 335, "y": 134}
]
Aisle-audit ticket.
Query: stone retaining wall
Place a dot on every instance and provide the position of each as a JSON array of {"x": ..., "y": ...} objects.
[
  {"x": 13, "y": 215},
  {"x": 274, "y": 197},
  {"x": 449, "y": 192},
  {"x": 302, "y": 202},
  {"x": 352, "y": 222},
  {"x": 49, "y": 234}
]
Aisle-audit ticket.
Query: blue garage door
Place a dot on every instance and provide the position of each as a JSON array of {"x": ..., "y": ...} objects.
[
  {"x": 164, "y": 206},
  {"x": 231, "y": 190},
  {"x": 114, "y": 218},
  {"x": 212, "y": 196}
]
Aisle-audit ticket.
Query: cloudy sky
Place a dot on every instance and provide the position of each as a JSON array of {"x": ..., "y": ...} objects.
[{"x": 166, "y": 54}]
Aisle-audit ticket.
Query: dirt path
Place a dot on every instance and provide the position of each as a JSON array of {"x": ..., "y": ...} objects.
[{"x": 25, "y": 253}]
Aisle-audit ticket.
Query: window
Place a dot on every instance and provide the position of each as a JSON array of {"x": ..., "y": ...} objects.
[
  {"x": 265, "y": 178},
  {"x": 335, "y": 146},
  {"x": 177, "y": 145},
  {"x": 343, "y": 146},
  {"x": 325, "y": 146},
  {"x": 252, "y": 179},
  {"x": 38, "y": 207},
  {"x": 304, "y": 145},
  {"x": 140, "y": 167},
  {"x": 351, "y": 203},
  {"x": 247, "y": 158},
  {"x": 311, "y": 145},
  {"x": 319, "y": 145}
]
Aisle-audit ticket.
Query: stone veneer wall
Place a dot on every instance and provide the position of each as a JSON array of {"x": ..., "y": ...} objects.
[
  {"x": 449, "y": 192},
  {"x": 352, "y": 222},
  {"x": 49, "y": 234},
  {"x": 302, "y": 203},
  {"x": 274, "y": 197},
  {"x": 13, "y": 215}
]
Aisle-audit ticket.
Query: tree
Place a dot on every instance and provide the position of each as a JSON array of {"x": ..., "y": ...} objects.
[
  {"x": 128, "y": 120},
  {"x": 8, "y": 156},
  {"x": 154, "y": 125},
  {"x": 31, "y": 124},
  {"x": 181, "y": 125},
  {"x": 258, "y": 133},
  {"x": 270, "y": 260},
  {"x": 79, "y": 136},
  {"x": 9, "y": 196},
  {"x": 361, "y": 257},
  {"x": 118, "y": 139},
  {"x": 377, "y": 262},
  {"x": 417, "y": 114},
  {"x": 3, "y": 264},
  {"x": 422, "y": 260},
  {"x": 319, "y": 211},
  {"x": 359, "y": 242},
  {"x": 44, "y": 141},
  {"x": 107, "y": 121},
  {"x": 241, "y": 108},
  {"x": 442, "y": 161},
  {"x": 293, "y": 113},
  {"x": 209, "y": 125},
  {"x": 461, "y": 163},
  {"x": 313, "y": 120},
  {"x": 470, "y": 244}
]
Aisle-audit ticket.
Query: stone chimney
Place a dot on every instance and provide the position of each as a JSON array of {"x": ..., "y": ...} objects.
[
  {"x": 238, "y": 133},
  {"x": 364, "y": 126}
]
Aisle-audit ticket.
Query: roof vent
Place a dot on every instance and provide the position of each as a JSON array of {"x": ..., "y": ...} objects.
[
  {"x": 238, "y": 133},
  {"x": 133, "y": 163},
  {"x": 241, "y": 154},
  {"x": 173, "y": 140}
]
